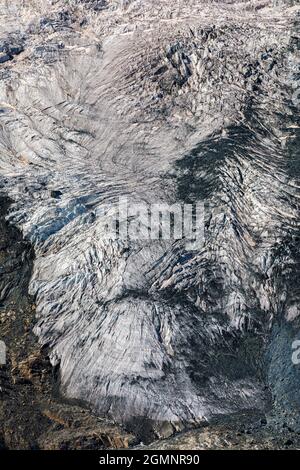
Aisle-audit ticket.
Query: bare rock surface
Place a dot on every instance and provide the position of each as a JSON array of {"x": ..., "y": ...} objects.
[
  {"x": 167, "y": 102},
  {"x": 243, "y": 431}
]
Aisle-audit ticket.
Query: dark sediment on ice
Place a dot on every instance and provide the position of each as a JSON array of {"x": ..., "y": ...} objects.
[{"x": 190, "y": 102}]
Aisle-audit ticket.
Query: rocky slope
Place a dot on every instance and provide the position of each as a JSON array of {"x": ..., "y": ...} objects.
[{"x": 159, "y": 102}]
